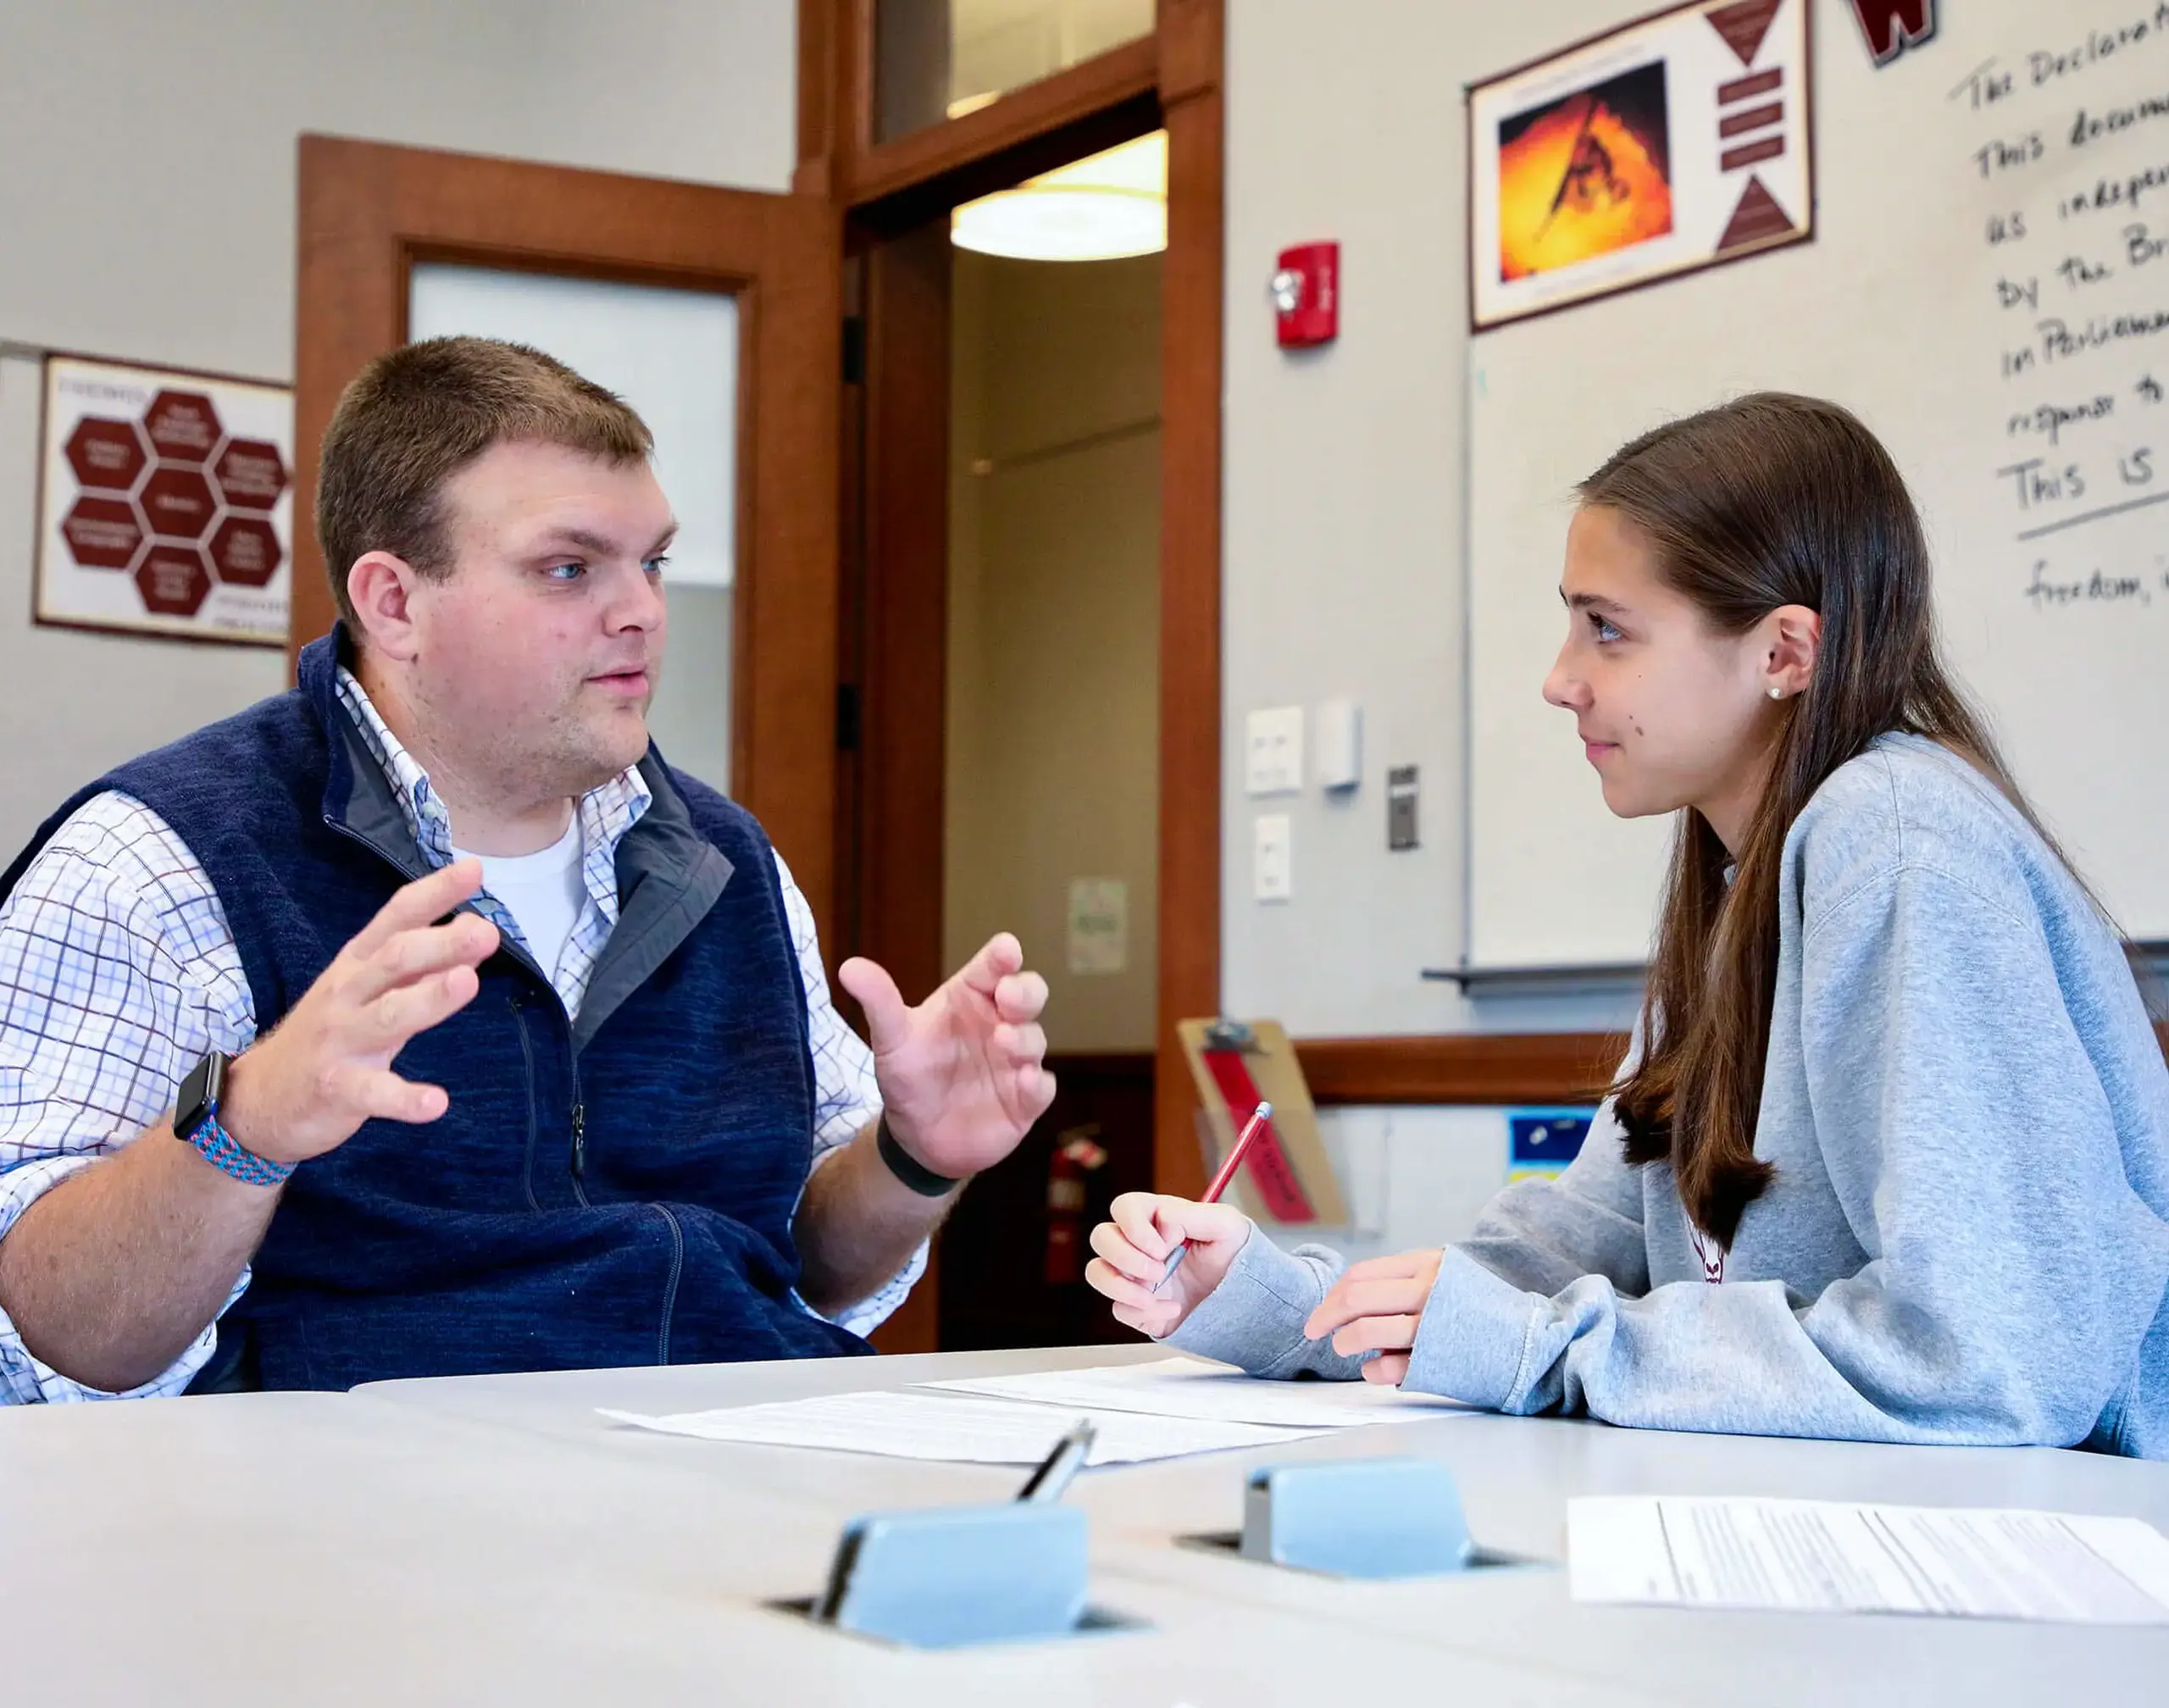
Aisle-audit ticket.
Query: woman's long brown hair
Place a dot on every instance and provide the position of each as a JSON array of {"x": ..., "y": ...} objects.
[{"x": 1772, "y": 500}]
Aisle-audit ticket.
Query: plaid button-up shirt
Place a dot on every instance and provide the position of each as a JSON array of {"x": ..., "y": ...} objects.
[{"x": 117, "y": 973}]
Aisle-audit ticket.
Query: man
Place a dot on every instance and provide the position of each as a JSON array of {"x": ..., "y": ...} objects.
[{"x": 423, "y": 1020}]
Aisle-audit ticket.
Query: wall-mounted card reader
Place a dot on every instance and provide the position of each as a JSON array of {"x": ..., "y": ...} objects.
[{"x": 1401, "y": 807}]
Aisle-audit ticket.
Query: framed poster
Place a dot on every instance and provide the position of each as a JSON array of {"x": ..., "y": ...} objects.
[
  {"x": 1681, "y": 141},
  {"x": 165, "y": 502}
]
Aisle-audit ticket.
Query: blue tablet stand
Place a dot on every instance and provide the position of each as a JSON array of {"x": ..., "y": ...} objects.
[
  {"x": 948, "y": 1577},
  {"x": 1360, "y": 1518}
]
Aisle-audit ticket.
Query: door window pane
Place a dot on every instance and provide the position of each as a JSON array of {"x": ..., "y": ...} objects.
[
  {"x": 937, "y": 59},
  {"x": 673, "y": 355}
]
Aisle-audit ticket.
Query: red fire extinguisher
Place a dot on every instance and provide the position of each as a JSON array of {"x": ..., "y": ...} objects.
[{"x": 1075, "y": 1155}]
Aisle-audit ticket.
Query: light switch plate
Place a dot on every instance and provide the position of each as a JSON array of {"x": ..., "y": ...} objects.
[
  {"x": 1273, "y": 751},
  {"x": 1272, "y": 875}
]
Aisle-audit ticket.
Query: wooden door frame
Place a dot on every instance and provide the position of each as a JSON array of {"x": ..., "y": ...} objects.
[
  {"x": 1172, "y": 79},
  {"x": 368, "y": 212}
]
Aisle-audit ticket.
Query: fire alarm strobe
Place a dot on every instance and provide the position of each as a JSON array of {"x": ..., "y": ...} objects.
[{"x": 1307, "y": 294}]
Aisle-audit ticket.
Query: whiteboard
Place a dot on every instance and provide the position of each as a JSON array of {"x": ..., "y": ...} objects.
[{"x": 1942, "y": 299}]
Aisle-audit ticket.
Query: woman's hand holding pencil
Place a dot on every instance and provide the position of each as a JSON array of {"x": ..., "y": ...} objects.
[
  {"x": 1160, "y": 1256},
  {"x": 1134, "y": 1249}
]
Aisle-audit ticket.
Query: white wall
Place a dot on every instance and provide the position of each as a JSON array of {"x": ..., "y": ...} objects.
[
  {"x": 147, "y": 211},
  {"x": 1343, "y": 521},
  {"x": 1344, "y": 494}
]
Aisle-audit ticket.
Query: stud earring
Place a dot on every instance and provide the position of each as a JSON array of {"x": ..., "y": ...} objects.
[{"x": 1776, "y": 693}]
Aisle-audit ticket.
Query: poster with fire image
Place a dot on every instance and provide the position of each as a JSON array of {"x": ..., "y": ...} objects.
[{"x": 1674, "y": 143}]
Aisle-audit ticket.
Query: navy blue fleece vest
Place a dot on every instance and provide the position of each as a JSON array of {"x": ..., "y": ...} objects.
[{"x": 481, "y": 1242}]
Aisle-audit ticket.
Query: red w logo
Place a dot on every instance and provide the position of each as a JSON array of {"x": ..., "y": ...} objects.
[{"x": 1892, "y": 26}]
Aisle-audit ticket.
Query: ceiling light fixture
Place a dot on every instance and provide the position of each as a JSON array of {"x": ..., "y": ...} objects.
[{"x": 1101, "y": 208}]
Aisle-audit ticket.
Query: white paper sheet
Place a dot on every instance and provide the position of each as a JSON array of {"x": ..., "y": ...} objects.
[
  {"x": 1831, "y": 1557},
  {"x": 1215, "y": 1393},
  {"x": 913, "y": 1424}
]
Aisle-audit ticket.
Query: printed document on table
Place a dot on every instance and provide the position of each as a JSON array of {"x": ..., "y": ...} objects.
[
  {"x": 1835, "y": 1557},
  {"x": 1216, "y": 1393},
  {"x": 913, "y": 1424}
]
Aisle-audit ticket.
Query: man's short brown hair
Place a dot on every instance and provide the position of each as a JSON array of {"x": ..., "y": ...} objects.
[{"x": 412, "y": 419}]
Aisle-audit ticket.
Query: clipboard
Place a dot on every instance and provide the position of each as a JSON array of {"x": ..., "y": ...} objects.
[{"x": 1286, "y": 1180}]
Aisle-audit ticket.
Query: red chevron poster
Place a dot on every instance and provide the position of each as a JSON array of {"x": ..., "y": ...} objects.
[{"x": 1673, "y": 143}]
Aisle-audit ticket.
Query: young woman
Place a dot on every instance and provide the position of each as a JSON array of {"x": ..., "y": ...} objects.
[{"x": 1890, "y": 1159}]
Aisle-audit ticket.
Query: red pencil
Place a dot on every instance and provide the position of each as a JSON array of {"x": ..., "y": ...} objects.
[{"x": 1251, "y": 1129}]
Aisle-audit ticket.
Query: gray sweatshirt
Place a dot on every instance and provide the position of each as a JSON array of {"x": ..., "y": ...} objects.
[{"x": 1967, "y": 1239}]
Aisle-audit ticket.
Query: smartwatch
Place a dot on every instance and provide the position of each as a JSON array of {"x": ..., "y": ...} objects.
[{"x": 196, "y": 1123}]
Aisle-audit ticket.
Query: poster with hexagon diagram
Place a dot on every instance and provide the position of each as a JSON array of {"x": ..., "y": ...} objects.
[{"x": 165, "y": 502}]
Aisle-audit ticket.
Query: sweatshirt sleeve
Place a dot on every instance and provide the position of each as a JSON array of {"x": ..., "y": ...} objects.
[
  {"x": 1540, "y": 1235},
  {"x": 2013, "y": 1270},
  {"x": 1255, "y": 1318},
  {"x": 1537, "y": 1233}
]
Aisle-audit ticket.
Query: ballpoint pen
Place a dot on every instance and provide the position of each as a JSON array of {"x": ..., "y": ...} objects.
[{"x": 1045, "y": 1484}]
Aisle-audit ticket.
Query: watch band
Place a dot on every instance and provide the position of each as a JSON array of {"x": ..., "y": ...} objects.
[
  {"x": 228, "y": 1155},
  {"x": 196, "y": 1124},
  {"x": 908, "y": 1168}
]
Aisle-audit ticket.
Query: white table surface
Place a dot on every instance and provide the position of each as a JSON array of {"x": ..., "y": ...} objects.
[
  {"x": 1516, "y": 1475},
  {"x": 491, "y": 1539},
  {"x": 306, "y": 1548}
]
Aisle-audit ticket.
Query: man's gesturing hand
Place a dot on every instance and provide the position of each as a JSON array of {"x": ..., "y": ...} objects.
[
  {"x": 963, "y": 1075},
  {"x": 303, "y": 1088}
]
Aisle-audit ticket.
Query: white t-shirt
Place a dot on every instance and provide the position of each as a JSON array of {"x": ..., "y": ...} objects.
[{"x": 543, "y": 891}]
